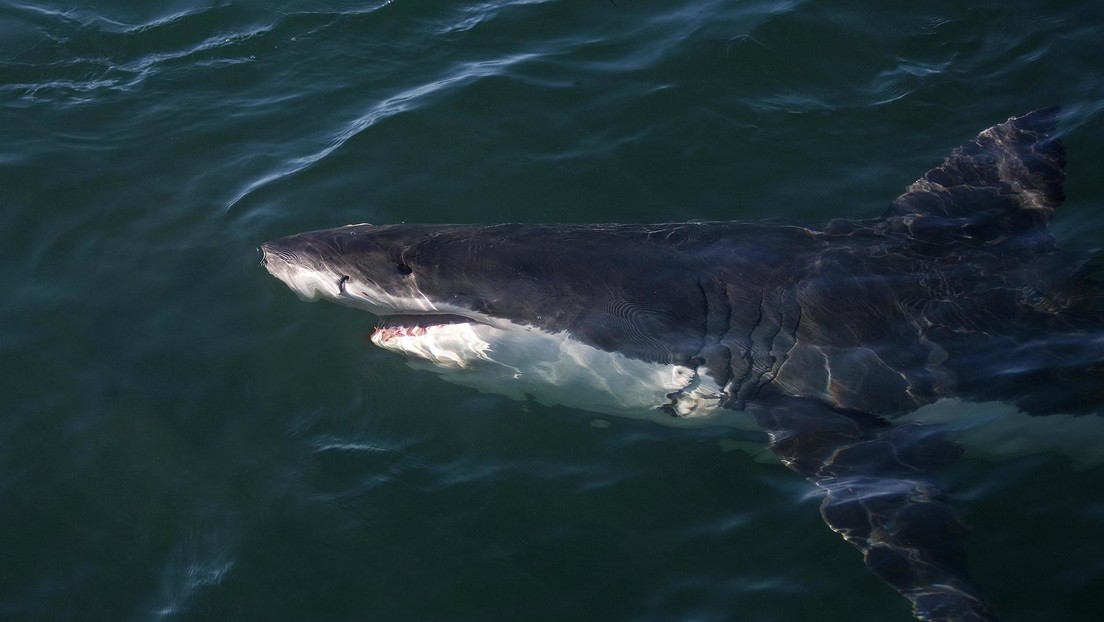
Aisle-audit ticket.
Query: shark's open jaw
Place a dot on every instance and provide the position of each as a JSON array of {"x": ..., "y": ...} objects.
[
  {"x": 445, "y": 340},
  {"x": 418, "y": 323}
]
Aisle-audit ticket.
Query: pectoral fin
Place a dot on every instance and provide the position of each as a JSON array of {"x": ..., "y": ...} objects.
[{"x": 883, "y": 498}]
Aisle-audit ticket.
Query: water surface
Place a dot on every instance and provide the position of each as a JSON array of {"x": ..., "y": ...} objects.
[{"x": 183, "y": 439}]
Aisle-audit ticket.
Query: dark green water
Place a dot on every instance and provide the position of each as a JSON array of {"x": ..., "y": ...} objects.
[{"x": 181, "y": 438}]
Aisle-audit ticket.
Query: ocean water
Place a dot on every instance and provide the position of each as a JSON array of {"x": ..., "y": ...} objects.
[{"x": 182, "y": 439}]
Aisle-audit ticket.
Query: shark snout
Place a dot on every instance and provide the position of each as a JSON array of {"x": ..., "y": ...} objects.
[
  {"x": 308, "y": 282},
  {"x": 275, "y": 260}
]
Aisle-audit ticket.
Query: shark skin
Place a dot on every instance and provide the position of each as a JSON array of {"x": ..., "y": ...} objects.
[{"x": 824, "y": 333}]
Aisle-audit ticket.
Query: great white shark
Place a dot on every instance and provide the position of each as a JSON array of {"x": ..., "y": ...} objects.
[{"x": 827, "y": 334}]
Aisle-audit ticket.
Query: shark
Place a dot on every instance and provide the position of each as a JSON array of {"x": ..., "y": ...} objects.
[{"x": 825, "y": 335}]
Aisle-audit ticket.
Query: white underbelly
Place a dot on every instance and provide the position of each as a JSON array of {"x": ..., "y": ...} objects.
[{"x": 525, "y": 363}]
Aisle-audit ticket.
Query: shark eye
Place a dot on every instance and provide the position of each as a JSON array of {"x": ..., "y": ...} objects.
[{"x": 403, "y": 268}]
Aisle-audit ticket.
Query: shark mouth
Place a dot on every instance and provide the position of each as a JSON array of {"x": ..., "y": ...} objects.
[
  {"x": 400, "y": 325},
  {"x": 444, "y": 340}
]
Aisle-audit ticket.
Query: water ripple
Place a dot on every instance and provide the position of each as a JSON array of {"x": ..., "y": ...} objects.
[
  {"x": 199, "y": 563},
  {"x": 403, "y": 101}
]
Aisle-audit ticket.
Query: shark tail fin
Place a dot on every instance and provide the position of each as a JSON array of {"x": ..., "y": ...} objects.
[{"x": 1004, "y": 182}]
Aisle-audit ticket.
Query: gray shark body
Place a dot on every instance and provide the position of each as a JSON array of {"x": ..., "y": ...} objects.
[{"x": 823, "y": 333}]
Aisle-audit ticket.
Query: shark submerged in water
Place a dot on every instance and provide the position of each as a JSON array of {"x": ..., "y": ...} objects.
[{"x": 826, "y": 334}]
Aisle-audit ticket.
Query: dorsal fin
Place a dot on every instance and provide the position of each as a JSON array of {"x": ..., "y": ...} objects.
[{"x": 1007, "y": 180}]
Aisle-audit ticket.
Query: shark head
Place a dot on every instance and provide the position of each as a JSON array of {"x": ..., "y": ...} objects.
[
  {"x": 360, "y": 266},
  {"x": 378, "y": 269},
  {"x": 527, "y": 311}
]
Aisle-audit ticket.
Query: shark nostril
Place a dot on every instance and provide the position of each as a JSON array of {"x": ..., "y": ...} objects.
[{"x": 341, "y": 284}]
